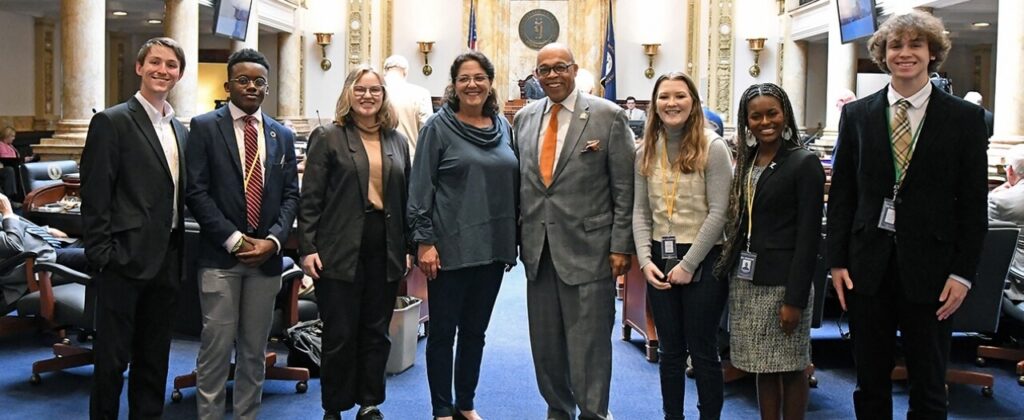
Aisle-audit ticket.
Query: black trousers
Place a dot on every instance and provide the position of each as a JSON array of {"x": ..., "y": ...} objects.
[
  {"x": 133, "y": 326},
  {"x": 873, "y": 324},
  {"x": 461, "y": 302},
  {"x": 356, "y": 317}
]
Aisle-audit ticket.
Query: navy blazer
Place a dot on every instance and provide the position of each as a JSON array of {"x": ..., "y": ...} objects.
[
  {"x": 128, "y": 192},
  {"x": 788, "y": 201},
  {"x": 216, "y": 197},
  {"x": 941, "y": 217}
]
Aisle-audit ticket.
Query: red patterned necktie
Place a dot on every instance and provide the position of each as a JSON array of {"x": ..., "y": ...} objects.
[{"x": 253, "y": 181}]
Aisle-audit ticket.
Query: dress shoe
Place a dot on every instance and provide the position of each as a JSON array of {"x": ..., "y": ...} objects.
[
  {"x": 371, "y": 414},
  {"x": 332, "y": 416}
]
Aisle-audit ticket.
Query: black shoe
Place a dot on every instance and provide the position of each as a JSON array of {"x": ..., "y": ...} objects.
[
  {"x": 371, "y": 414},
  {"x": 332, "y": 416}
]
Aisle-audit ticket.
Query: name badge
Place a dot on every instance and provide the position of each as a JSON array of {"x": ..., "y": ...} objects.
[
  {"x": 668, "y": 247},
  {"x": 745, "y": 268},
  {"x": 887, "y": 220}
]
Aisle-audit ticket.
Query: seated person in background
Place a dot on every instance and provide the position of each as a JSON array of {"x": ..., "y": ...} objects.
[
  {"x": 632, "y": 112},
  {"x": 8, "y": 182},
  {"x": 1006, "y": 204},
  {"x": 20, "y": 235}
]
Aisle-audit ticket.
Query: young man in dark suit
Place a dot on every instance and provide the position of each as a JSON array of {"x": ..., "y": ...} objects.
[
  {"x": 243, "y": 190},
  {"x": 906, "y": 217},
  {"x": 132, "y": 206}
]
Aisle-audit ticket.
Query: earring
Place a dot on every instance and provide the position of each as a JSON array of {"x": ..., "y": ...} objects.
[
  {"x": 787, "y": 134},
  {"x": 750, "y": 140}
]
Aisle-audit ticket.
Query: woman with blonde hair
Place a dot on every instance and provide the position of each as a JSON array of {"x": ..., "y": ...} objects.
[
  {"x": 352, "y": 238},
  {"x": 683, "y": 171}
]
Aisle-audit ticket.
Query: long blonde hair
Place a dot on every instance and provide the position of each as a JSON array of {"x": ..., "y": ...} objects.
[
  {"x": 693, "y": 150},
  {"x": 343, "y": 111}
]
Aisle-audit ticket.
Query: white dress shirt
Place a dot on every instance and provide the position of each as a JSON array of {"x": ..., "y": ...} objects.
[{"x": 168, "y": 141}]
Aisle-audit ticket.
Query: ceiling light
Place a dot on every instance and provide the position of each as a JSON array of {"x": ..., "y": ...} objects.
[
  {"x": 120, "y": 13},
  {"x": 980, "y": 24},
  {"x": 154, "y": 21}
]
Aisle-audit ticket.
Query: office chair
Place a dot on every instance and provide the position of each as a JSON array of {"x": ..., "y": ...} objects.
[
  {"x": 289, "y": 309},
  {"x": 980, "y": 310},
  {"x": 1014, "y": 312},
  {"x": 35, "y": 175}
]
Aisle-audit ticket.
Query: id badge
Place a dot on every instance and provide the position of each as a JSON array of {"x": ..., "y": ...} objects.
[
  {"x": 887, "y": 220},
  {"x": 745, "y": 269},
  {"x": 668, "y": 247}
]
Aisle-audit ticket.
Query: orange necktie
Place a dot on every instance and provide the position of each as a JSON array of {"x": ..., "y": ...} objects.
[{"x": 547, "y": 148}]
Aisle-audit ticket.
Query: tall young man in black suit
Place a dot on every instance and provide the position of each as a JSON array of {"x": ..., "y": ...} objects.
[
  {"x": 243, "y": 190},
  {"x": 906, "y": 217},
  {"x": 132, "y": 205}
]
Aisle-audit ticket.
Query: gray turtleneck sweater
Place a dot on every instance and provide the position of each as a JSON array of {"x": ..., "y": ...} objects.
[{"x": 717, "y": 179}]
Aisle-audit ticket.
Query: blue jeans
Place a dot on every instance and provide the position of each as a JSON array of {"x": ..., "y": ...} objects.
[{"x": 687, "y": 318}]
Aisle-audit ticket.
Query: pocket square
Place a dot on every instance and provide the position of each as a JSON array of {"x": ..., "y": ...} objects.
[{"x": 592, "y": 146}]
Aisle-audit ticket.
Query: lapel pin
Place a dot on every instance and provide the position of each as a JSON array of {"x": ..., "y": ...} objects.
[
  {"x": 583, "y": 116},
  {"x": 772, "y": 166},
  {"x": 273, "y": 134}
]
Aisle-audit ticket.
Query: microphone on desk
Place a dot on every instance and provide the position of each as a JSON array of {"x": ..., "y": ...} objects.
[{"x": 319, "y": 122}]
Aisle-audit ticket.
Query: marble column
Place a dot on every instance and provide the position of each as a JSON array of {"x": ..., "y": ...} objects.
[
  {"x": 181, "y": 22},
  {"x": 1009, "y": 89},
  {"x": 289, "y": 81},
  {"x": 842, "y": 75},
  {"x": 793, "y": 73},
  {"x": 252, "y": 32},
  {"x": 83, "y": 74}
]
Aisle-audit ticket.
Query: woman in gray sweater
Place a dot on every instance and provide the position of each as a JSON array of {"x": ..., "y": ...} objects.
[
  {"x": 683, "y": 173},
  {"x": 462, "y": 213}
]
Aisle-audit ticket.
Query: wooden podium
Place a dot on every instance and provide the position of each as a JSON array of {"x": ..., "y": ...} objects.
[{"x": 636, "y": 312}]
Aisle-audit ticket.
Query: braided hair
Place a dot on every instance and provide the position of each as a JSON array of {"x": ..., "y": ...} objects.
[{"x": 745, "y": 154}]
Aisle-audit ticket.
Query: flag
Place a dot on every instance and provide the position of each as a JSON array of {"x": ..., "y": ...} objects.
[
  {"x": 608, "y": 64},
  {"x": 471, "y": 42}
]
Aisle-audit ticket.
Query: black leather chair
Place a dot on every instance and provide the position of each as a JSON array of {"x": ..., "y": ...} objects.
[{"x": 36, "y": 175}]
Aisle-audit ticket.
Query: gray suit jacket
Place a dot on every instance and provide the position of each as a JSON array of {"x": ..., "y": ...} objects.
[
  {"x": 587, "y": 211},
  {"x": 13, "y": 240}
]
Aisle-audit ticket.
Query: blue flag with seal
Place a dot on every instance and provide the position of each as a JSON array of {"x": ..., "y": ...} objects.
[{"x": 608, "y": 64}]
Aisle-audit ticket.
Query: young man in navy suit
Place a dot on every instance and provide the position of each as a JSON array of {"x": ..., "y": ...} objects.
[
  {"x": 243, "y": 191},
  {"x": 132, "y": 195},
  {"x": 906, "y": 217}
]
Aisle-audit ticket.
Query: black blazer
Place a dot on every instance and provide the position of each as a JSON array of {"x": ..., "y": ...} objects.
[
  {"x": 334, "y": 200},
  {"x": 786, "y": 236},
  {"x": 941, "y": 214},
  {"x": 128, "y": 193},
  {"x": 216, "y": 196}
]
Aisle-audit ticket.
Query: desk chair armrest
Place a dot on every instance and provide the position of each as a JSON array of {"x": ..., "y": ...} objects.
[
  {"x": 9, "y": 263},
  {"x": 64, "y": 271},
  {"x": 291, "y": 280}
]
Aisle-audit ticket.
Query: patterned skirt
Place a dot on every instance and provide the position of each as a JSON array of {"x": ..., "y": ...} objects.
[{"x": 757, "y": 343}]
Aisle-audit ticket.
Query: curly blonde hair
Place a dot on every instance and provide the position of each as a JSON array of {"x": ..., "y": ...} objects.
[{"x": 916, "y": 24}]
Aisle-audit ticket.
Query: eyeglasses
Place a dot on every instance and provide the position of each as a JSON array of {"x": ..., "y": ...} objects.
[
  {"x": 244, "y": 81},
  {"x": 375, "y": 90},
  {"x": 478, "y": 79},
  {"x": 544, "y": 71}
]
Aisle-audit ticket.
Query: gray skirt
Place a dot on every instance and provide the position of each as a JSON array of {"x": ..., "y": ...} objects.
[{"x": 756, "y": 341}]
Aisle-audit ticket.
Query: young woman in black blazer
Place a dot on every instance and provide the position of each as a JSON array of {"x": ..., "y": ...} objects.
[
  {"x": 774, "y": 232},
  {"x": 352, "y": 236}
]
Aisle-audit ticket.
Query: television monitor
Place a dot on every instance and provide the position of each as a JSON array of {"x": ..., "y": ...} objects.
[
  {"x": 856, "y": 19},
  {"x": 231, "y": 18}
]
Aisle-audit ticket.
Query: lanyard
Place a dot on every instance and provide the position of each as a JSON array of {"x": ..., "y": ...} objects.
[
  {"x": 668, "y": 197},
  {"x": 751, "y": 187},
  {"x": 901, "y": 173}
]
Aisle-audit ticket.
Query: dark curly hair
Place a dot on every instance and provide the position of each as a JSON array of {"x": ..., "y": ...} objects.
[
  {"x": 491, "y": 103},
  {"x": 247, "y": 55}
]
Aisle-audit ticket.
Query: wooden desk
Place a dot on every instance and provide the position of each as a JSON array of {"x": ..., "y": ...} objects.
[
  {"x": 70, "y": 223},
  {"x": 636, "y": 311}
]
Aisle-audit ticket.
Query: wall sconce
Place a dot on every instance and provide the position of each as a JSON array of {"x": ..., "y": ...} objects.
[
  {"x": 756, "y": 45},
  {"x": 651, "y": 50},
  {"x": 425, "y": 48},
  {"x": 323, "y": 39}
]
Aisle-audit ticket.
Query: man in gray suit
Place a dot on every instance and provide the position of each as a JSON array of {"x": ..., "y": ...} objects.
[{"x": 576, "y": 197}]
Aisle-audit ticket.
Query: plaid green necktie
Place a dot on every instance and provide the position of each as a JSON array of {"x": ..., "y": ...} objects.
[{"x": 902, "y": 138}]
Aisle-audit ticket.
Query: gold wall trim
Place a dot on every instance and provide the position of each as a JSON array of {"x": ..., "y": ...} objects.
[
  {"x": 720, "y": 59},
  {"x": 692, "y": 39},
  {"x": 492, "y": 20},
  {"x": 46, "y": 105},
  {"x": 358, "y": 28}
]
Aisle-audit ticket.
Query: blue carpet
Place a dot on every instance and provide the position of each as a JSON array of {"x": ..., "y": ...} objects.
[{"x": 507, "y": 385}]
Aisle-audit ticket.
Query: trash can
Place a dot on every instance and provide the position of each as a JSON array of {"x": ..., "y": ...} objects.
[{"x": 403, "y": 332}]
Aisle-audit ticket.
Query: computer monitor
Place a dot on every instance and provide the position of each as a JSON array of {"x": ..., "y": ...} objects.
[
  {"x": 231, "y": 18},
  {"x": 856, "y": 19},
  {"x": 638, "y": 128}
]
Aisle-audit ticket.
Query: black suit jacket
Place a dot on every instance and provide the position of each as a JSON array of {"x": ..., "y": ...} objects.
[
  {"x": 334, "y": 200},
  {"x": 941, "y": 208},
  {"x": 787, "y": 224},
  {"x": 216, "y": 196},
  {"x": 128, "y": 193}
]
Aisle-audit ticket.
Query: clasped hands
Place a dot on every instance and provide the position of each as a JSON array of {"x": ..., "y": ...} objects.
[
  {"x": 254, "y": 252},
  {"x": 676, "y": 276}
]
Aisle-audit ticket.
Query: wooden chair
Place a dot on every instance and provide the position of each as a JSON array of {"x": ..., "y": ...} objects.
[{"x": 291, "y": 281}]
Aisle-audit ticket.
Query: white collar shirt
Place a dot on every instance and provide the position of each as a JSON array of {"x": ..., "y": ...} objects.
[
  {"x": 564, "y": 119},
  {"x": 168, "y": 142}
]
